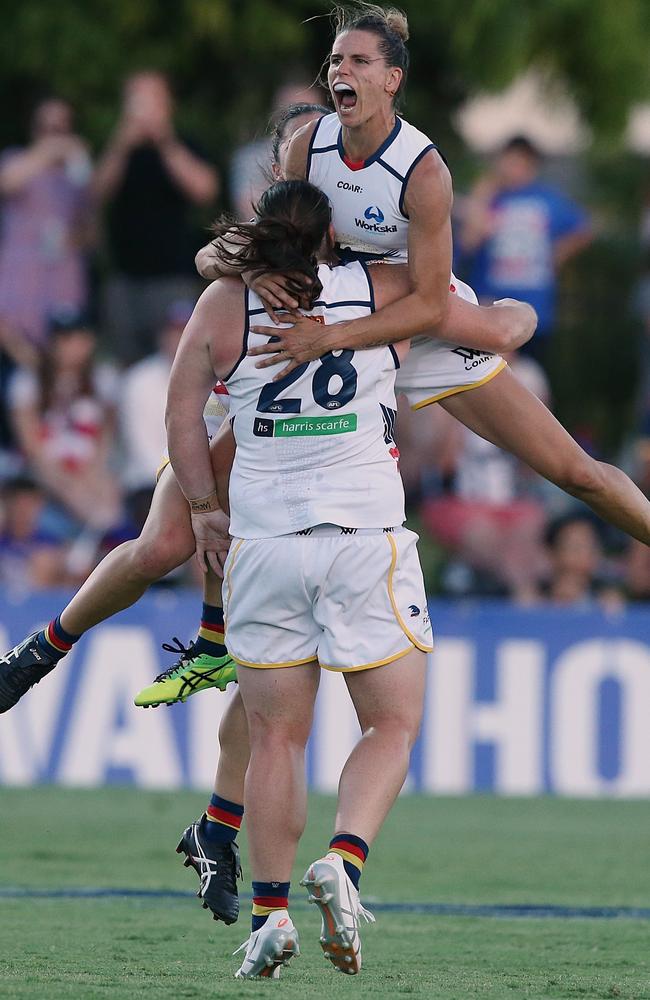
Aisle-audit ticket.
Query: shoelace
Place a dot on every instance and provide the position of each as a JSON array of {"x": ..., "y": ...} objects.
[
  {"x": 187, "y": 654},
  {"x": 15, "y": 652},
  {"x": 244, "y": 945},
  {"x": 360, "y": 911},
  {"x": 209, "y": 867}
]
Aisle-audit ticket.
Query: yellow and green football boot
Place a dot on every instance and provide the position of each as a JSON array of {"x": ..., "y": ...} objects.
[{"x": 192, "y": 672}]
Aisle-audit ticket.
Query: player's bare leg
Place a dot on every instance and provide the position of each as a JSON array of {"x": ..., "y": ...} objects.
[
  {"x": 209, "y": 844},
  {"x": 510, "y": 416},
  {"x": 116, "y": 583},
  {"x": 165, "y": 543},
  {"x": 123, "y": 576},
  {"x": 388, "y": 701},
  {"x": 205, "y": 662},
  {"x": 234, "y": 753},
  {"x": 279, "y": 707}
]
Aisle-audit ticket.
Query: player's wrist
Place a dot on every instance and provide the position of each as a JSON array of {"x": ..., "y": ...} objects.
[
  {"x": 204, "y": 505},
  {"x": 334, "y": 339}
]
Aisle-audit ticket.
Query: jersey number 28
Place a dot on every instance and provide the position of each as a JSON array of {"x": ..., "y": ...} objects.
[{"x": 330, "y": 365}]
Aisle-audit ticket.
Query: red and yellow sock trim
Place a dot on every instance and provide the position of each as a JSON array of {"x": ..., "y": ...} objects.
[
  {"x": 57, "y": 643},
  {"x": 215, "y": 814},
  {"x": 349, "y": 852},
  {"x": 212, "y": 633},
  {"x": 263, "y": 905}
]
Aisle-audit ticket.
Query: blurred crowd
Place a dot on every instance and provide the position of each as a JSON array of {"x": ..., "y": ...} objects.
[{"x": 97, "y": 282}]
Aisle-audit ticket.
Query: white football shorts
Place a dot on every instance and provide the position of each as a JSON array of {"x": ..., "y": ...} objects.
[
  {"x": 433, "y": 370},
  {"x": 351, "y": 599}
]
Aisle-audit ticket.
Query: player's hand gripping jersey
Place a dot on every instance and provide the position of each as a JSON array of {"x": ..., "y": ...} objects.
[
  {"x": 370, "y": 220},
  {"x": 317, "y": 446}
]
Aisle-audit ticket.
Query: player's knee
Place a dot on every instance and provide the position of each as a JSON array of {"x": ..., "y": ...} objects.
[
  {"x": 277, "y": 736},
  {"x": 398, "y": 731},
  {"x": 154, "y": 557}
]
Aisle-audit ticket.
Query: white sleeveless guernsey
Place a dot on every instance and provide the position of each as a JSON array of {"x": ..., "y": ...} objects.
[
  {"x": 370, "y": 221},
  {"x": 368, "y": 210},
  {"x": 317, "y": 446},
  {"x": 367, "y": 204}
]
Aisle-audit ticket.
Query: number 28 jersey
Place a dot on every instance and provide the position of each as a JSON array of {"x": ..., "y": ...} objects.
[{"x": 317, "y": 446}]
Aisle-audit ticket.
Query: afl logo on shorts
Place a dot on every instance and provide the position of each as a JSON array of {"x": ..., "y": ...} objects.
[
  {"x": 375, "y": 213},
  {"x": 415, "y": 611}
]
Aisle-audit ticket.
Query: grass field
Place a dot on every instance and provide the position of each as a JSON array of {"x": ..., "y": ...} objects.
[{"x": 449, "y": 851}]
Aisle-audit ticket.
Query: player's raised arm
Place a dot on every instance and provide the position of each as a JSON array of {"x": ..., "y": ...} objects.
[
  {"x": 219, "y": 260},
  {"x": 211, "y": 265},
  {"x": 503, "y": 327}
]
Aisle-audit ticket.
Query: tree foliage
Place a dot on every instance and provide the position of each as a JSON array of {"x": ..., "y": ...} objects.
[{"x": 226, "y": 57}]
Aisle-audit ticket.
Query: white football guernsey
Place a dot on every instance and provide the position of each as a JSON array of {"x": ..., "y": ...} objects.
[
  {"x": 370, "y": 220},
  {"x": 317, "y": 446},
  {"x": 216, "y": 409},
  {"x": 368, "y": 210}
]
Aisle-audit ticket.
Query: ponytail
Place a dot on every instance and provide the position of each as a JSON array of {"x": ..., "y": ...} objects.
[{"x": 292, "y": 220}]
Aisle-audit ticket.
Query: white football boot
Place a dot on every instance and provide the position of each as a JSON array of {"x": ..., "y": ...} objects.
[
  {"x": 338, "y": 901},
  {"x": 269, "y": 948}
]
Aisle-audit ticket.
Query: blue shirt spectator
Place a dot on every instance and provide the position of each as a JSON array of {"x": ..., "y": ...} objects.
[{"x": 520, "y": 231}]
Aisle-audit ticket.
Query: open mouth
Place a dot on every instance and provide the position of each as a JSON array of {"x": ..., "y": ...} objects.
[{"x": 345, "y": 97}]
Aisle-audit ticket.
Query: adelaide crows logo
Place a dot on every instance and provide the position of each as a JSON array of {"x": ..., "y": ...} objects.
[{"x": 375, "y": 213}]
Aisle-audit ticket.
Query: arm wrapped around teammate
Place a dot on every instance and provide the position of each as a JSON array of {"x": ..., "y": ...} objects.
[{"x": 502, "y": 327}]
